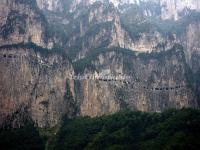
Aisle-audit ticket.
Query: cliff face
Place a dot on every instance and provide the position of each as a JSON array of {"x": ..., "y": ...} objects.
[
  {"x": 154, "y": 82},
  {"x": 22, "y": 21},
  {"x": 98, "y": 24},
  {"x": 35, "y": 81},
  {"x": 51, "y": 5},
  {"x": 171, "y": 9},
  {"x": 191, "y": 40},
  {"x": 102, "y": 40},
  {"x": 101, "y": 25}
]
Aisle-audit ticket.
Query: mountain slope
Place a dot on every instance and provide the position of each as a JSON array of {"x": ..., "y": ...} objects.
[{"x": 45, "y": 44}]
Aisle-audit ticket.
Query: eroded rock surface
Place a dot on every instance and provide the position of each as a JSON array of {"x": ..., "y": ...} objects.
[{"x": 39, "y": 82}]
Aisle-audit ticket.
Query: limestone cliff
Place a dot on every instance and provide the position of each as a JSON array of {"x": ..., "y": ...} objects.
[
  {"x": 52, "y": 5},
  {"x": 22, "y": 21},
  {"x": 154, "y": 82},
  {"x": 172, "y": 9},
  {"x": 37, "y": 81},
  {"x": 101, "y": 25},
  {"x": 156, "y": 50}
]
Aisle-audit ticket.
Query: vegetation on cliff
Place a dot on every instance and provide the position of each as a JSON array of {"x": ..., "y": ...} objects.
[
  {"x": 80, "y": 65},
  {"x": 37, "y": 49},
  {"x": 137, "y": 24}
]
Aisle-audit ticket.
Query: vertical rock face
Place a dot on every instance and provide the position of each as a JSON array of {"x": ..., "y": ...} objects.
[
  {"x": 172, "y": 8},
  {"x": 97, "y": 98},
  {"x": 153, "y": 83},
  {"x": 38, "y": 82},
  {"x": 191, "y": 40},
  {"x": 52, "y": 5},
  {"x": 21, "y": 21},
  {"x": 147, "y": 42}
]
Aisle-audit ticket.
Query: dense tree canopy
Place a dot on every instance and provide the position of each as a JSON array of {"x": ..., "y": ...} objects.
[
  {"x": 170, "y": 130},
  {"x": 132, "y": 130}
]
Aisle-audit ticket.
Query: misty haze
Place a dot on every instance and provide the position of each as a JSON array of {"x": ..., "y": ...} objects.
[{"x": 99, "y": 74}]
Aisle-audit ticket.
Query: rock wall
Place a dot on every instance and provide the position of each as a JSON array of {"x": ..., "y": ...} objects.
[
  {"x": 191, "y": 40},
  {"x": 22, "y": 21},
  {"x": 38, "y": 82},
  {"x": 172, "y": 8},
  {"x": 51, "y": 5},
  {"x": 154, "y": 83}
]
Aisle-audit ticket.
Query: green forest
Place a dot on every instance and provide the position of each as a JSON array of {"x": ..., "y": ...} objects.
[{"x": 170, "y": 130}]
